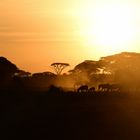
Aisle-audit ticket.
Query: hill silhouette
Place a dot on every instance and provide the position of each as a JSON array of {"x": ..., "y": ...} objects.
[
  {"x": 7, "y": 70},
  {"x": 7, "y": 67}
]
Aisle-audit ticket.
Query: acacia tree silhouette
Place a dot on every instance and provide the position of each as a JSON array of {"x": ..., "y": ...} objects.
[{"x": 59, "y": 67}]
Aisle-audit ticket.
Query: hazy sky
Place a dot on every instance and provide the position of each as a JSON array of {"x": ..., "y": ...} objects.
[{"x": 36, "y": 33}]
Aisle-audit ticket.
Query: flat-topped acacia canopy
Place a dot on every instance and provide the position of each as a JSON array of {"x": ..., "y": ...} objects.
[{"x": 59, "y": 67}]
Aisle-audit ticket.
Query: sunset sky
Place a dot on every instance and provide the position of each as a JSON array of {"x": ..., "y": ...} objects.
[{"x": 36, "y": 33}]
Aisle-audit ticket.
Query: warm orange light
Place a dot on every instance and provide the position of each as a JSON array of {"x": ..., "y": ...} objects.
[{"x": 111, "y": 27}]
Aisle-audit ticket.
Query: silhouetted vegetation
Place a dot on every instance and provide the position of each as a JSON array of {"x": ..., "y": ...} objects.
[
  {"x": 59, "y": 67},
  {"x": 96, "y": 100}
]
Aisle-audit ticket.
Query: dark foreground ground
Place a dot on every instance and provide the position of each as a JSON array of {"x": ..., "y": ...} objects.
[{"x": 68, "y": 116}]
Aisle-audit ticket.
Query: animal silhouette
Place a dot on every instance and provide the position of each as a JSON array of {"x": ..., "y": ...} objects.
[
  {"x": 92, "y": 89},
  {"x": 109, "y": 87},
  {"x": 83, "y": 88},
  {"x": 114, "y": 87},
  {"x": 103, "y": 87}
]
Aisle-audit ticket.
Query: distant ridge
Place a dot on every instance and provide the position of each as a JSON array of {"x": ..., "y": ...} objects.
[{"x": 7, "y": 68}]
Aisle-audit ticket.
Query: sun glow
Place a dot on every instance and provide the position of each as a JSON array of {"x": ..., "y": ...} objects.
[{"x": 111, "y": 27}]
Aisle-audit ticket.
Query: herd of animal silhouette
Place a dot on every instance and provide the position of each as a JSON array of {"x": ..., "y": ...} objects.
[{"x": 101, "y": 88}]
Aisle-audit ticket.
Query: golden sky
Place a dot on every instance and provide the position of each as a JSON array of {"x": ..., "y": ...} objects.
[{"x": 36, "y": 33}]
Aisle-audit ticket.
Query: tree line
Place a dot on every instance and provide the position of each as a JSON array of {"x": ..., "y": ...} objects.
[{"x": 122, "y": 69}]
